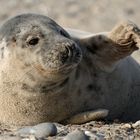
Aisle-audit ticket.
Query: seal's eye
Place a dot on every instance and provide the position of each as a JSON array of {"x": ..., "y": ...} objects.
[{"x": 33, "y": 41}]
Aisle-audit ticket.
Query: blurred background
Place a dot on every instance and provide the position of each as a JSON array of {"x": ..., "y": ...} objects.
[{"x": 89, "y": 15}]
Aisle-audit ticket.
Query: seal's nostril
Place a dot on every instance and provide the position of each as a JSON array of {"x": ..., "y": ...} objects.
[
  {"x": 67, "y": 50},
  {"x": 65, "y": 55},
  {"x": 70, "y": 52}
]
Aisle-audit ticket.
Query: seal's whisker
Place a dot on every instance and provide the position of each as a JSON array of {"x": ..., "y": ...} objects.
[{"x": 24, "y": 75}]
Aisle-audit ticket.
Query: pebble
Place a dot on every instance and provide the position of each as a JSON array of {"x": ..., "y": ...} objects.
[
  {"x": 136, "y": 124},
  {"x": 100, "y": 136},
  {"x": 135, "y": 131},
  {"x": 76, "y": 135},
  {"x": 127, "y": 125},
  {"x": 131, "y": 137},
  {"x": 39, "y": 131},
  {"x": 95, "y": 136},
  {"x": 88, "y": 133}
]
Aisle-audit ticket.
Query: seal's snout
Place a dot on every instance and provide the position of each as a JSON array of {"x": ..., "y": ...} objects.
[{"x": 70, "y": 52}]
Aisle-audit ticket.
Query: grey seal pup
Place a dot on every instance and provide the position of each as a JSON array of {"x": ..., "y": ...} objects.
[{"x": 51, "y": 74}]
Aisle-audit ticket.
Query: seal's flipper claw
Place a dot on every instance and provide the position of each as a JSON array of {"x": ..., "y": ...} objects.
[{"x": 126, "y": 34}]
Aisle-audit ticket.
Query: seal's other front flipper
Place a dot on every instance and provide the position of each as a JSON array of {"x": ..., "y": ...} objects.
[{"x": 85, "y": 117}]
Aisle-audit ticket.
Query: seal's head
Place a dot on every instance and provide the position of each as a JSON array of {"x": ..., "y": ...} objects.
[{"x": 38, "y": 42}]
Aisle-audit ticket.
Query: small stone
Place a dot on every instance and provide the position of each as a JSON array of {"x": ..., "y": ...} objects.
[
  {"x": 24, "y": 131},
  {"x": 136, "y": 124},
  {"x": 94, "y": 136},
  {"x": 76, "y": 135},
  {"x": 88, "y": 133},
  {"x": 127, "y": 125},
  {"x": 45, "y": 130},
  {"x": 101, "y": 134},
  {"x": 131, "y": 137},
  {"x": 135, "y": 131},
  {"x": 39, "y": 131}
]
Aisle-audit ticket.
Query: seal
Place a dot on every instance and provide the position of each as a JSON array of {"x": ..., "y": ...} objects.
[{"x": 51, "y": 74}]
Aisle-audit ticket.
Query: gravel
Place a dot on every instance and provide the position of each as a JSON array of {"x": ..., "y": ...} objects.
[{"x": 94, "y": 130}]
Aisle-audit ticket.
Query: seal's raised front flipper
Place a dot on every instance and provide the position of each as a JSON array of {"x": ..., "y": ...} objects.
[{"x": 108, "y": 48}]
